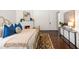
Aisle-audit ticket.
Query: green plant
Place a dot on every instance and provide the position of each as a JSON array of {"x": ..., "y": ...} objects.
[
  {"x": 62, "y": 24},
  {"x": 21, "y": 20}
]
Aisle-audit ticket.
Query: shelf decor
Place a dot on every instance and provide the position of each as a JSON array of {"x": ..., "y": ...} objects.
[{"x": 62, "y": 24}]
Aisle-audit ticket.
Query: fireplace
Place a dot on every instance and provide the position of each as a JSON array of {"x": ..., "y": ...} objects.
[{"x": 27, "y": 27}]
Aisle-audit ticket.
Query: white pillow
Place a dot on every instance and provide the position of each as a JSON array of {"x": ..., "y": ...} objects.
[{"x": 18, "y": 29}]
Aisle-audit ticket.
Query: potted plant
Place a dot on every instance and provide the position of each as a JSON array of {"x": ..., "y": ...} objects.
[
  {"x": 62, "y": 24},
  {"x": 21, "y": 20}
]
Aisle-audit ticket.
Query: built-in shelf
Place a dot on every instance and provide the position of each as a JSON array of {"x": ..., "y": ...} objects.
[{"x": 69, "y": 35}]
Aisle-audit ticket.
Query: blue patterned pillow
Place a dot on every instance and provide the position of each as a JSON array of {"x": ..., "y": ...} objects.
[
  {"x": 8, "y": 30},
  {"x": 18, "y": 25}
]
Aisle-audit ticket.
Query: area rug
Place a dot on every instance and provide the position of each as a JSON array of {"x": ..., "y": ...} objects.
[{"x": 44, "y": 42}]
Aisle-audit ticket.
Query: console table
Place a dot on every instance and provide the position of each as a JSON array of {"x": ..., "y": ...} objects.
[{"x": 69, "y": 36}]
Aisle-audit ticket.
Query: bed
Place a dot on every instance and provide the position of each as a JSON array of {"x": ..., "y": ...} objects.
[{"x": 26, "y": 39}]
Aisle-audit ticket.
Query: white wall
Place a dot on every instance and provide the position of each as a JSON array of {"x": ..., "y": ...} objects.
[
  {"x": 46, "y": 19},
  {"x": 77, "y": 20},
  {"x": 77, "y": 26},
  {"x": 8, "y": 14},
  {"x": 19, "y": 15},
  {"x": 42, "y": 18}
]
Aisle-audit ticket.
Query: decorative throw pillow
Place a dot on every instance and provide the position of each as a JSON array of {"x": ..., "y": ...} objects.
[
  {"x": 8, "y": 30},
  {"x": 18, "y": 25},
  {"x": 18, "y": 29},
  {"x": 12, "y": 29}
]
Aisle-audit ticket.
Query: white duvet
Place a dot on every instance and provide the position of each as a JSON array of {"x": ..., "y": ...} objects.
[{"x": 26, "y": 38}]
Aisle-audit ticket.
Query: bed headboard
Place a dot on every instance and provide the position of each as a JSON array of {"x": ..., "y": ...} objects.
[{"x": 4, "y": 21}]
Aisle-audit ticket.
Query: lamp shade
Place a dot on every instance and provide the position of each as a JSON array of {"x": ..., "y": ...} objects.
[{"x": 70, "y": 24}]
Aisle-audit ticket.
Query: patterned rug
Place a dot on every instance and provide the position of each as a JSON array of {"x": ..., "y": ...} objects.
[{"x": 44, "y": 42}]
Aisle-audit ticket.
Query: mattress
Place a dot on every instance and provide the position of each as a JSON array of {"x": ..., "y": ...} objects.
[{"x": 21, "y": 40}]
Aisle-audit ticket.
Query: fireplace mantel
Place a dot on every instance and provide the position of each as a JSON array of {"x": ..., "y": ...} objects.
[{"x": 28, "y": 23}]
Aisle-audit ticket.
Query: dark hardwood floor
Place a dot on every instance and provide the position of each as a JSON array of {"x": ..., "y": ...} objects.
[{"x": 58, "y": 42}]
